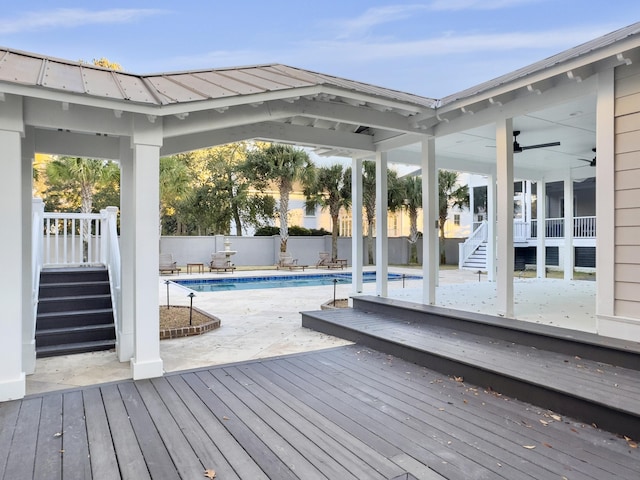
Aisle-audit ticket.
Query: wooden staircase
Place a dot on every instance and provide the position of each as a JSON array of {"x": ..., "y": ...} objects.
[
  {"x": 75, "y": 313},
  {"x": 478, "y": 260},
  {"x": 588, "y": 377}
]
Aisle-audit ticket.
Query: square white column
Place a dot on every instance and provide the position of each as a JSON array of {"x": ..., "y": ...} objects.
[
  {"x": 429, "y": 222},
  {"x": 28, "y": 299},
  {"x": 541, "y": 249},
  {"x": 12, "y": 376},
  {"x": 505, "y": 256},
  {"x": 357, "y": 242},
  {"x": 568, "y": 226},
  {"x": 146, "y": 141},
  {"x": 124, "y": 348},
  {"x": 382, "y": 241},
  {"x": 491, "y": 226}
]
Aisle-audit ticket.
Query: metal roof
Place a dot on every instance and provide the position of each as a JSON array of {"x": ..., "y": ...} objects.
[
  {"x": 180, "y": 87},
  {"x": 575, "y": 52}
]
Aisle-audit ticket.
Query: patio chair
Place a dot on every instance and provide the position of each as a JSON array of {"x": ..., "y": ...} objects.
[
  {"x": 286, "y": 260},
  {"x": 325, "y": 261},
  {"x": 166, "y": 264},
  {"x": 220, "y": 263}
]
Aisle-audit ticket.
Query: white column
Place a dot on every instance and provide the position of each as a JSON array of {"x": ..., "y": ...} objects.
[
  {"x": 28, "y": 299},
  {"x": 605, "y": 197},
  {"x": 12, "y": 377},
  {"x": 491, "y": 227},
  {"x": 568, "y": 226},
  {"x": 429, "y": 221},
  {"x": 382, "y": 242},
  {"x": 505, "y": 257},
  {"x": 127, "y": 229},
  {"x": 146, "y": 142},
  {"x": 357, "y": 243},
  {"x": 541, "y": 249}
]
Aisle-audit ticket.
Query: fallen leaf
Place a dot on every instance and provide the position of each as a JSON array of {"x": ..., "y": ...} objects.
[
  {"x": 225, "y": 418},
  {"x": 557, "y": 418},
  {"x": 546, "y": 445},
  {"x": 59, "y": 434},
  {"x": 544, "y": 422},
  {"x": 210, "y": 473},
  {"x": 632, "y": 444},
  {"x": 458, "y": 379},
  {"x": 530, "y": 447}
]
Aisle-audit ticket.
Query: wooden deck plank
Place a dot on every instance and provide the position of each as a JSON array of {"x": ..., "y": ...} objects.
[
  {"x": 366, "y": 462},
  {"x": 479, "y": 420},
  {"x": 426, "y": 427},
  {"x": 8, "y": 417},
  {"x": 104, "y": 464},
  {"x": 299, "y": 432},
  {"x": 49, "y": 447},
  {"x": 21, "y": 458},
  {"x": 259, "y": 452},
  {"x": 75, "y": 459},
  {"x": 153, "y": 449},
  {"x": 130, "y": 459},
  {"x": 288, "y": 455},
  {"x": 181, "y": 453},
  {"x": 186, "y": 414}
]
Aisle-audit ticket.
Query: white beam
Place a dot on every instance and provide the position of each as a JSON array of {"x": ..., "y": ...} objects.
[
  {"x": 429, "y": 222},
  {"x": 66, "y": 143},
  {"x": 357, "y": 243},
  {"x": 505, "y": 257},
  {"x": 382, "y": 241}
]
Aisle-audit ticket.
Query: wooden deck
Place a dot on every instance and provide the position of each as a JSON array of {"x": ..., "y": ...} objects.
[{"x": 344, "y": 413}]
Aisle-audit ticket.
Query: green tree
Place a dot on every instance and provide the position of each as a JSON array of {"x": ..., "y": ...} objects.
[
  {"x": 412, "y": 187},
  {"x": 282, "y": 165},
  {"x": 450, "y": 195},
  {"x": 174, "y": 185},
  {"x": 369, "y": 203},
  {"x": 331, "y": 189}
]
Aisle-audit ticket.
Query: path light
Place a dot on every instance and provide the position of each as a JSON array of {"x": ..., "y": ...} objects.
[
  {"x": 335, "y": 282},
  {"x": 403, "y": 277},
  {"x": 191, "y": 295},
  {"x": 166, "y": 282},
  {"x": 479, "y": 272}
]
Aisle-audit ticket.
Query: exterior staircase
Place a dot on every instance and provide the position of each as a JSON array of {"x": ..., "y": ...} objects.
[
  {"x": 75, "y": 312},
  {"x": 478, "y": 259}
]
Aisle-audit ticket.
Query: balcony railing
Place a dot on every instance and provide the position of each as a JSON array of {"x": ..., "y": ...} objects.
[{"x": 583, "y": 227}]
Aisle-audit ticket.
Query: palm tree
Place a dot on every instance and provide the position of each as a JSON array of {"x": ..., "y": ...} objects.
[
  {"x": 412, "y": 186},
  {"x": 81, "y": 177},
  {"x": 450, "y": 194},
  {"x": 174, "y": 184},
  {"x": 369, "y": 202},
  {"x": 283, "y": 165},
  {"x": 331, "y": 189}
]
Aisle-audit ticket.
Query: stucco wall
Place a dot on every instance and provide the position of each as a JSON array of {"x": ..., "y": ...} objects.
[{"x": 627, "y": 192}]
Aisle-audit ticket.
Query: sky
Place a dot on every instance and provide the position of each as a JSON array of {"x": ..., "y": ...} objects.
[{"x": 432, "y": 48}]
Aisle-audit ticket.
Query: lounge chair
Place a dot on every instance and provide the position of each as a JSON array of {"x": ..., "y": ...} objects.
[
  {"x": 167, "y": 265},
  {"x": 286, "y": 260},
  {"x": 325, "y": 261},
  {"x": 220, "y": 263}
]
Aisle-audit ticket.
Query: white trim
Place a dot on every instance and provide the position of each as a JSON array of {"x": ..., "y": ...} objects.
[
  {"x": 429, "y": 220},
  {"x": 382, "y": 236},
  {"x": 357, "y": 242}
]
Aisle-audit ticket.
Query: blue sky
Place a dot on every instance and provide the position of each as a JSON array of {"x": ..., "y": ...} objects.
[{"x": 432, "y": 48}]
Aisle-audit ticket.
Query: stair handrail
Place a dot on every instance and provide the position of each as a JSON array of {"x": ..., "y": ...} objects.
[
  {"x": 68, "y": 239},
  {"x": 37, "y": 242},
  {"x": 110, "y": 256},
  {"x": 468, "y": 247}
]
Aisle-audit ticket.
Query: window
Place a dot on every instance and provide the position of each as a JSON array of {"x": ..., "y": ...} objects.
[
  {"x": 345, "y": 226},
  {"x": 310, "y": 210},
  {"x": 456, "y": 219}
]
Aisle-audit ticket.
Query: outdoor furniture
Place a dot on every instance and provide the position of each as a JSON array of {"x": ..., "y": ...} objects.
[
  {"x": 191, "y": 266},
  {"x": 220, "y": 263},
  {"x": 286, "y": 260},
  {"x": 166, "y": 264},
  {"x": 325, "y": 261}
]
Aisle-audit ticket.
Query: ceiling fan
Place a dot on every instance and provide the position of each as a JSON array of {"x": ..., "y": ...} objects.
[
  {"x": 592, "y": 162},
  {"x": 517, "y": 148}
]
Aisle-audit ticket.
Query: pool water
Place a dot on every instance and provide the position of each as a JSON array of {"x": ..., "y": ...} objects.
[{"x": 281, "y": 281}]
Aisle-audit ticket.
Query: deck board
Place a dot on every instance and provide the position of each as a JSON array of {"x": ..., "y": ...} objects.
[{"x": 348, "y": 412}]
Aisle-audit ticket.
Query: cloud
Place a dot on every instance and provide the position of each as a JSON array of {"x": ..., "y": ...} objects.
[
  {"x": 376, "y": 16},
  {"x": 454, "y": 5},
  {"x": 70, "y": 18}
]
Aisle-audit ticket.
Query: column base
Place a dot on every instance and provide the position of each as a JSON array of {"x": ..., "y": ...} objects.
[
  {"x": 29, "y": 357},
  {"x": 618, "y": 327},
  {"x": 13, "y": 389},
  {"x": 150, "y": 369}
]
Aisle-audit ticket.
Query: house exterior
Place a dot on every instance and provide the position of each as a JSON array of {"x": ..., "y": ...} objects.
[{"x": 586, "y": 97}]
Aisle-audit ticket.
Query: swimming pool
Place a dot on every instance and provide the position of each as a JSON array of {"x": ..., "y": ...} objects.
[{"x": 280, "y": 281}]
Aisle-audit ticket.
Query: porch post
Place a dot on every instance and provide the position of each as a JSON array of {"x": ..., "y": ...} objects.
[
  {"x": 28, "y": 300},
  {"x": 382, "y": 242},
  {"x": 491, "y": 226},
  {"x": 357, "y": 243},
  {"x": 127, "y": 268},
  {"x": 146, "y": 142},
  {"x": 568, "y": 226},
  {"x": 541, "y": 231},
  {"x": 429, "y": 221},
  {"x": 12, "y": 376},
  {"x": 504, "y": 286}
]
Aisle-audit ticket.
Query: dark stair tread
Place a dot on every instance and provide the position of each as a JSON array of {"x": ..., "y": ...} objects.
[
  {"x": 75, "y": 313},
  {"x": 76, "y": 297},
  {"x": 70, "y": 348},
  {"x": 78, "y": 329},
  {"x": 74, "y": 284}
]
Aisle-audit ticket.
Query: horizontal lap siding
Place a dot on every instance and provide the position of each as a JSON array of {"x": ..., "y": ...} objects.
[{"x": 627, "y": 192}]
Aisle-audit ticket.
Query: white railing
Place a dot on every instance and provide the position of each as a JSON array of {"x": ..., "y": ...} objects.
[
  {"x": 521, "y": 231},
  {"x": 472, "y": 243},
  {"x": 110, "y": 250},
  {"x": 71, "y": 239},
  {"x": 583, "y": 227}
]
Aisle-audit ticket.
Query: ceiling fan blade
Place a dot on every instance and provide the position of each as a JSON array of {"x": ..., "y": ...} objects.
[{"x": 540, "y": 145}]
